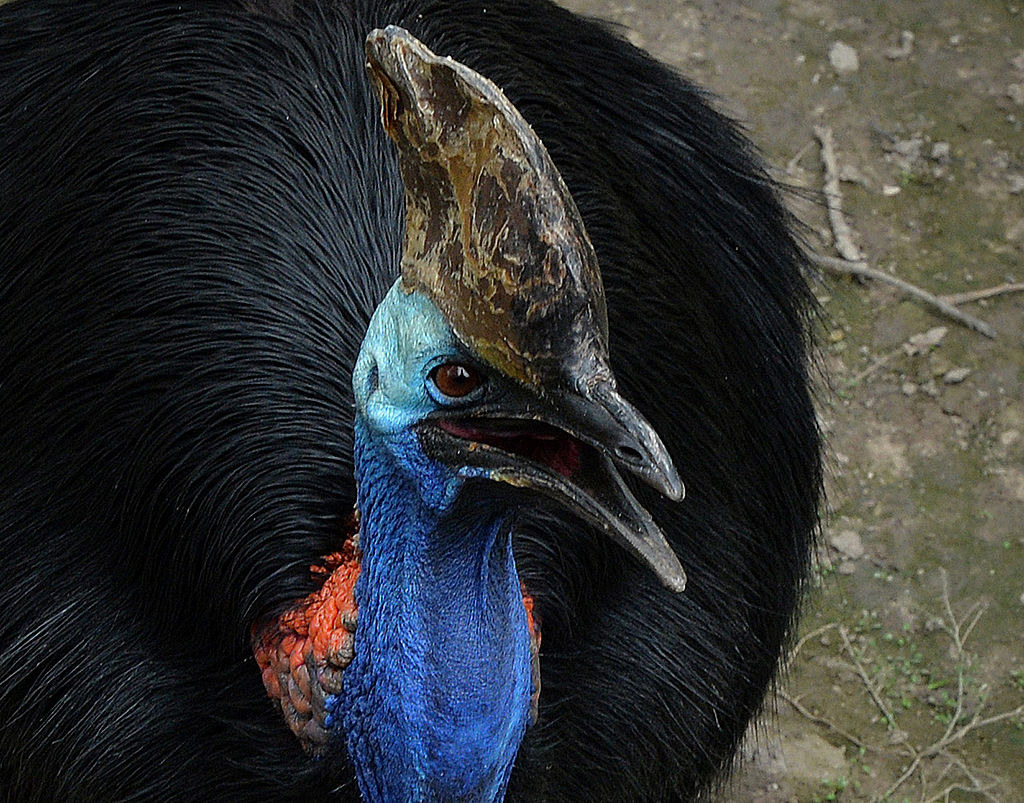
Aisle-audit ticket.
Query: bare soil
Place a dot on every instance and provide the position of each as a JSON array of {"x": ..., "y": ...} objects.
[{"x": 908, "y": 682}]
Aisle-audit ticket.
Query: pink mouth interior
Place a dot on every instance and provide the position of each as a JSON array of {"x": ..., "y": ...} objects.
[{"x": 530, "y": 439}]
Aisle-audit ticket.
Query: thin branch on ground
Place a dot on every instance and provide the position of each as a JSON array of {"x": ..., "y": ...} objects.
[
  {"x": 975, "y": 723},
  {"x": 978, "y": 785},
  {"x": 910, "y": 770},
  {"x": 958, "y": 629},
  {"x": 946, "y": 794},
  {"x": 852, "y": 262},
  {"x": 953, "y": 630},
  {"x": 866, "y": 680},
  {"x": 818, "y": 631},
  {"x": 845, "y": 267},
  {"x": 877, "y": 363},
  {"x": 954, "y": 774},
  {"x": 806, "y": 713},
  {"x": 801, "y": 709},
  {"x": 793, "y": 163},
  {"x": 841, "y": 230},
  {"x": 987, "y": 292}
]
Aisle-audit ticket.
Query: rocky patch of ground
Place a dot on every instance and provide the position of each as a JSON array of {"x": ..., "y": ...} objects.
[{"x": 908, "y": 679}]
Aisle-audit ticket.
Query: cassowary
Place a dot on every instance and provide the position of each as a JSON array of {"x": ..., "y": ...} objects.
[{"x": 333, "y": 374}]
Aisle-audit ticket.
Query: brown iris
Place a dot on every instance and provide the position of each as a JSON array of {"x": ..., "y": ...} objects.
[{"x": 455, "y": 380}]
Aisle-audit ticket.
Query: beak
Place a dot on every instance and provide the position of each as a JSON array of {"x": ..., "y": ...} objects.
[
  {"x": 494, "y": 240},
  {"x": 569, "y": 448},
  {"x": 610, "y": 423}
]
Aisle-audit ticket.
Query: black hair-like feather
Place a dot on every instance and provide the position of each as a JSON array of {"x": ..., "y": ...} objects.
[{"x": 199, "y": 212}]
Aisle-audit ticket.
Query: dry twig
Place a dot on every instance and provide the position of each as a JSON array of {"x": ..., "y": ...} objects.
[
  {"x": 987, "y": 292},
  {"x": 866, "y": 680},
  {"x": 852, "y": 262},
  {"x": 834, "y": 198},
  {"x": 806, "y": 713},
  {"x": 971, "y": 781},
  {"x": 818, "y": 631},
  {"x": 977, "y": 787},
  {"x": 877, "y": 363},
  {"x": 845, "y": 267},
  {"x": 794, "y": 163},
  {"x": 958, "y": 630}
]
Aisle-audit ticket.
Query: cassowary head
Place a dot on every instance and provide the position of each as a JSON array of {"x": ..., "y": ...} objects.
[{"x": 483, "y": 384}]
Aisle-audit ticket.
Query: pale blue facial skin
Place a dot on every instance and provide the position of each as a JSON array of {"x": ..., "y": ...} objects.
[
  {"x": 437, "y": 698},
  {"x": 407, "y": 338}
]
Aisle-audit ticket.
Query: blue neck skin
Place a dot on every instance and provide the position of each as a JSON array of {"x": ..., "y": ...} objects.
[{"x": 437, "y": 699}]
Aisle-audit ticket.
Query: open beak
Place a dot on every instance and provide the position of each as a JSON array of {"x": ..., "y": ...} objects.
[
  {"x": 495, "y": 241},
  {"x": 569, "y": 448}
]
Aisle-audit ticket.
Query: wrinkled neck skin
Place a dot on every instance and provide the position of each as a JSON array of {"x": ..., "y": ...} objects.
[{"x": 437, "y": 698}]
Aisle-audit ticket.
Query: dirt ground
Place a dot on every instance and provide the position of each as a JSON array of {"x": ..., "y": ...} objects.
[{"x": 908, "y": 680}]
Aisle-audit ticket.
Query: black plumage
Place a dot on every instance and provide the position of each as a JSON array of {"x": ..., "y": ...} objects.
[{"x": 199, "y": 212}]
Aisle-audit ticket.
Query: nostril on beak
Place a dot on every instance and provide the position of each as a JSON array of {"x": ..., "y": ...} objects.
[{"x": 628, "y": 454}]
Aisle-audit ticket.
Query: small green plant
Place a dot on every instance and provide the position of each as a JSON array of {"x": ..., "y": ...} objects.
[
  {"x": 834, "y": 788},
  {"x": 913, "y": 691},
  {"x": 911, "y": 178}
]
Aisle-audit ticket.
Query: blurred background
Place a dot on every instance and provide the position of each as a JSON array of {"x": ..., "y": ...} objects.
[{"x": 907, "y": 683}]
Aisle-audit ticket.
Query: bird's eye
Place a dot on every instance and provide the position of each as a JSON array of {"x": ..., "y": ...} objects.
[{"x": 456, "y": 380}]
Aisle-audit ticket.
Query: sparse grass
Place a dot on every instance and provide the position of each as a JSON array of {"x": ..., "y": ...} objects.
[{"x": 899, "y": 682}]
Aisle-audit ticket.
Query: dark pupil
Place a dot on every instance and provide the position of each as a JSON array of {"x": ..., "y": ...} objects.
[{"x": 455, "y": 380}]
